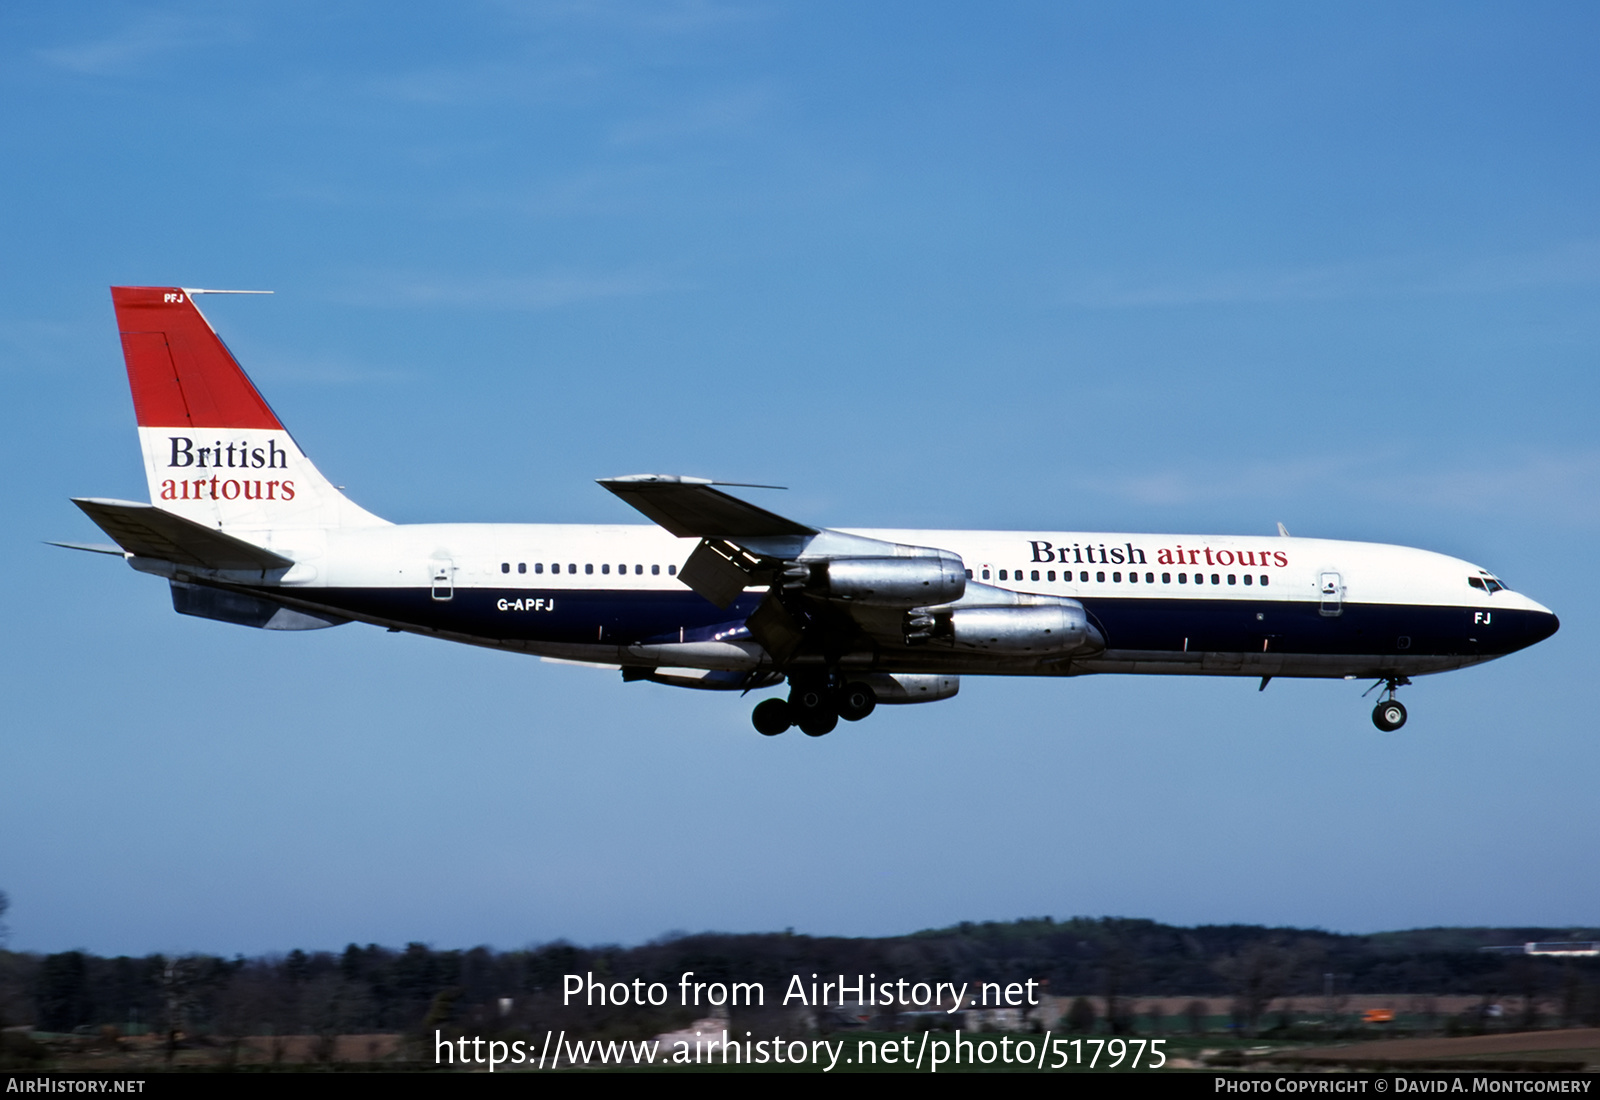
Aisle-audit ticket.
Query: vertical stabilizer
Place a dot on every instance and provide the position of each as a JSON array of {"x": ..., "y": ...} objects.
[{"x": 214, "y": 451}]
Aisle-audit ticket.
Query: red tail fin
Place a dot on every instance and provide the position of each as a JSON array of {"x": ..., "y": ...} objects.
[{"x": 181, "y": 374}]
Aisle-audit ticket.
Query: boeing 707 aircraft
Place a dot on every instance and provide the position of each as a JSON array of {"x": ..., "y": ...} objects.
[{"x": 718, "y": 593}]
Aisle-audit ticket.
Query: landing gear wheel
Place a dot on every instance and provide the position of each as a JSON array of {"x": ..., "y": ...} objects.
[
  {"x": 818, "y": 723},
  {"x": 808, "y": 700},
  {"x": 856, "y": 701},
  {"x": 1389, "y": 716},
  {"x": 772, "y": 717}
]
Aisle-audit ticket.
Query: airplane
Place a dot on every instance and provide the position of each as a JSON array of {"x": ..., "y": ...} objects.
[{"x": 720, "y": 594}]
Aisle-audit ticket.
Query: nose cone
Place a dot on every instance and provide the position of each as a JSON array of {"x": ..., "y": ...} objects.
[
  {"x": 1544, "y": 624},
  {"x": 1531, "y": 623}
]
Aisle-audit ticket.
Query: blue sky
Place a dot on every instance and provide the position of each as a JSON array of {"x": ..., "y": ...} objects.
[{"x": 1079, "y": 266}]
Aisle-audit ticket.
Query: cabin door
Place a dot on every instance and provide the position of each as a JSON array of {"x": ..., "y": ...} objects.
[
  {"x": 1332, "y": 591},
  {"x": 442, "y": 572}
]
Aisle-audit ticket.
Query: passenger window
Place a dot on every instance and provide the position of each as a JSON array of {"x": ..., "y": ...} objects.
[
  {"x": 605, "y": 568},
  {"x": 1232, "y": 579},
  {"x": 1100, "y": 576},
  {"x": 1247, "y": 578},
  {"x": 672, "y": 570},
  {"x": 655, "y": 570},
  {"x": 1183, "y": 578},
  {"x": 1166, "y": 578},
  {"x": 1083, "y": 576},
  {"x": 1215, "y": 579},
  {"x": 522, "y": 567},
  {"x": 1133, "y": 578},
  {"x": 1117, "y": 577},
  {"x": 588, "y": 568},
  {"x": 572, "y": 567},
  {"x": 538, "y": 567},
  {"x": 985, "y": 574},
  {"x": 1034, "y": 575},
  {"x": 505, "y": 567},
  {"x": 1002, "y": 574},
  {"x": 1263, "y": 580},
  {"x": 638, "y": 570},
  {"x": 1050, "y": 574},
  {"x": 969, "y": 574}
]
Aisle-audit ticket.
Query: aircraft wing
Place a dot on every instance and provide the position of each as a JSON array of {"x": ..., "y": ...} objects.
[
  {"x": 825, "y": 588},
  {"x": 690, "y": 508},
  {"x": 149, "y": 532}
]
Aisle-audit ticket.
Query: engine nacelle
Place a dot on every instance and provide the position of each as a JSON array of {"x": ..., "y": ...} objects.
[
  {"x": 891, "y": 582},
  {"x": 894, "y": 688},
  {"x": 1039, "y": 631}
]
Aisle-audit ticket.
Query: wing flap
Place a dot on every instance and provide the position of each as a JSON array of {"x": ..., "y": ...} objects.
[
  {"x": 149, "y": 532},
  {"x": 715, "y": 572}
]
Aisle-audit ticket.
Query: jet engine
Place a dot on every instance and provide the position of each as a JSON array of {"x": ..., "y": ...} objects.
[
  {"x": 885, "y": 582},
  {"x": 1057, "y": 628}
]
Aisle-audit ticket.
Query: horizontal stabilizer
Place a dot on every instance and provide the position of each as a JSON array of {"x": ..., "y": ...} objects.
[
  {"x": 149, "y": 532},
  {"x": 690, "y": 507}
]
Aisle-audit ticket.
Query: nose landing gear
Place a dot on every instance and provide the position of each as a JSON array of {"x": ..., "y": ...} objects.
[{"x": 1390, "y": 714}]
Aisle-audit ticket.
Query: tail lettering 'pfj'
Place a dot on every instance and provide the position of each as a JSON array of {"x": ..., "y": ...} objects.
[{"x": 214, "y": 451}]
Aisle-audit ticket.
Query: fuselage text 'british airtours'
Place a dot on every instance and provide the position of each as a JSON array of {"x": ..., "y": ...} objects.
[{"x": 1129, "y": 554}]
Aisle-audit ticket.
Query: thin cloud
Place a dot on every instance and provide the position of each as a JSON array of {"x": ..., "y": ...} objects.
[
  {"x": 551, "y": 291},
  {"x": 492, "y": 82},
  {"x": 31, "y": 346},
  {"x": 1568, "y": 263},
  {"x": 1552, "y": 487},
  {"x": 143, "y": 41},
  {"x": 535, "y": 70},
  {"x": 720, "y": 114},
  {"x": 322, "y": 370},
  {"x": 674, "y": 17},
  {"x": 1189, "y": 485}
]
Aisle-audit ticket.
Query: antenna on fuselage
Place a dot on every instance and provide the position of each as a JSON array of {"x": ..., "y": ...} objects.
[{"x": 1283, "y": 532}]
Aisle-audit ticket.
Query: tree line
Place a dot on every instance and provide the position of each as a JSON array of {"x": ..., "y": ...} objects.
[{"x": 1115, "y": 960}]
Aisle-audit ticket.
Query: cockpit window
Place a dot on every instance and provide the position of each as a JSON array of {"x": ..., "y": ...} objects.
[
  {"x": 1489, "y": 584},
  {"x": 1476, "y": 582}
]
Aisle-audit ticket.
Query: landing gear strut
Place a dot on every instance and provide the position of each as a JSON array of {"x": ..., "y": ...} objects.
[
  {"x": 1390, "y": 714},
  {"x": 815, "y": 706}
]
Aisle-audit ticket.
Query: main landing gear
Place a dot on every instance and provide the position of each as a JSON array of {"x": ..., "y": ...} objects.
[
  {"x": 815, "y": 706},
  {"x": 1390, "y": 714}
]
